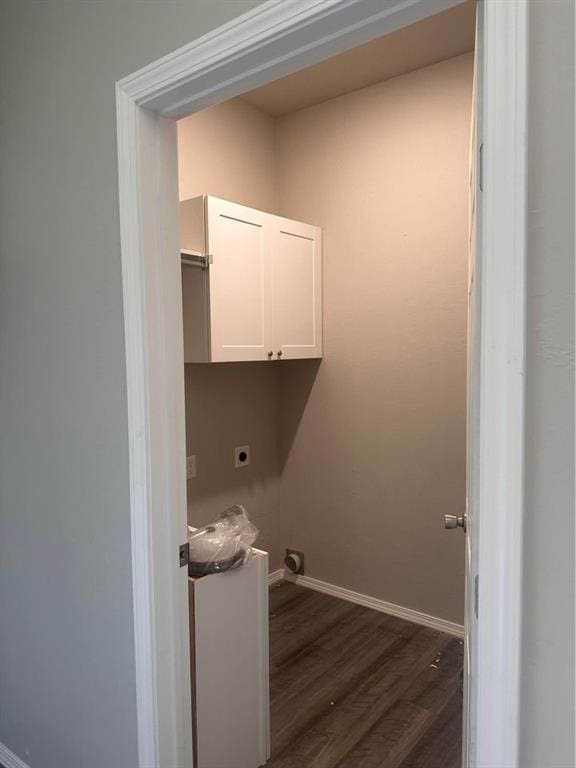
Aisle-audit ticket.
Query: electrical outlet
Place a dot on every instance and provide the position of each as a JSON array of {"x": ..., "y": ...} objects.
[
  {"x": 190, "y": 467},
  {"x": 242, "y": 456}
]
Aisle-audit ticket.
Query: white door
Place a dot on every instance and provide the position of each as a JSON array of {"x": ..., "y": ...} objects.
[
  {"x": 296, "y": 265},
  {"x": 239, "y": 282},
  {"x": 474, "y": 282}
]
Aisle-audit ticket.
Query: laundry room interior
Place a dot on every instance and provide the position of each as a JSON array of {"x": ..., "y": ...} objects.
[{"x": 325, "y": 370}]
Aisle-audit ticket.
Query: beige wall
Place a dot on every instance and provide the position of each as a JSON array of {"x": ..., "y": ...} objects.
[
  {"x": 228, "y": 405},
  {"x": 229, "y": 151},
  {"x": 370, "y": 444},
  {"x": 374, "y": 453}
]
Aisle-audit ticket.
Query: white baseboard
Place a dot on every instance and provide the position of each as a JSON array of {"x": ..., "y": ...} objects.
[
  {"x": 275, "y": 576},
  {"x": 9, "y": 760},
  {"x": 408, "y": 614}
]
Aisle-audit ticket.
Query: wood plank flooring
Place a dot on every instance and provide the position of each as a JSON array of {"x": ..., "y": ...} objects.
[{"x": 355, "y": 688}]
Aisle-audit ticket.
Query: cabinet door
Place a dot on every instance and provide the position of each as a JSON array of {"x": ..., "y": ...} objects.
[
  {"x": 296, "y": 262},
  {"x": 239, "y": 275}
]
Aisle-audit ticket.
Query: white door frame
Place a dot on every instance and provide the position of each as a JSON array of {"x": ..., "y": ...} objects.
[{"x": 274, "y": 39}]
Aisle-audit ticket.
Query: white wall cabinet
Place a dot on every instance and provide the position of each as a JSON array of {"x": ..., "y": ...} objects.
[{"x": 258, "y": 294}]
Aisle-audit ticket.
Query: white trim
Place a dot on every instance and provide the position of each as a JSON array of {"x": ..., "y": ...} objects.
[
  {"x": 9, "y": 760},
  {"x": 275, "y": 576},
  {"x": 147, "y": 167},
  {"x": 137, "y": 373},
  {"x": 275, "y": 38},
  {"x": 500, "y": 516},
  {"x": 416, "y": 617}
]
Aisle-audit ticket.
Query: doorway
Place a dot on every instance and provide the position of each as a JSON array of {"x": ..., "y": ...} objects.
[
  {"x": 155, "y": 153},
  {"x": 357, "y": 449}
]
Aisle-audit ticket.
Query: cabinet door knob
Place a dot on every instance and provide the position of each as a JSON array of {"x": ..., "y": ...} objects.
[
  {"x": 279, "y": 353},
  {"x": 270, "y": 353}
]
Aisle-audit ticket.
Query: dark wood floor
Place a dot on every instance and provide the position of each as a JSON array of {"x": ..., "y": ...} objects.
[{"x": 355, "y": 688}]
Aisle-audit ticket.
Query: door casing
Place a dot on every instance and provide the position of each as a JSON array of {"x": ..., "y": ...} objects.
[{"x": 274, "y": 39}]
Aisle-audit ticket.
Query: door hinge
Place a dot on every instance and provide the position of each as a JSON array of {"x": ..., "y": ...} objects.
[
  {"x": 184, "y": 554},
  {"x": 476, "y": 596},
  {"x": 481, "y": 167}
]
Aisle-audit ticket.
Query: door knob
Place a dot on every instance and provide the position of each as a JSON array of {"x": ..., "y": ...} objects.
[{"x": 455, "y": 521}]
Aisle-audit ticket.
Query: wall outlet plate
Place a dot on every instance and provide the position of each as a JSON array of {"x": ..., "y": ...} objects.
[
  {"x": 242, "y": 456},
  {"x": 190, "y": 467}
]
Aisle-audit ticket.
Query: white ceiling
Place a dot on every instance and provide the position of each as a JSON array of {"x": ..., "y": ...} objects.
[{"x": 434, "y": 39}]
